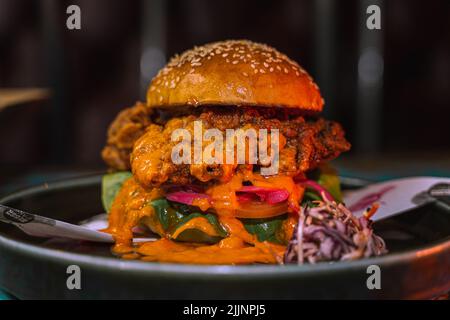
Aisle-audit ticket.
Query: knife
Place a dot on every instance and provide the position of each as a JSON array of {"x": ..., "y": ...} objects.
[{"x": 44, "y": 227}]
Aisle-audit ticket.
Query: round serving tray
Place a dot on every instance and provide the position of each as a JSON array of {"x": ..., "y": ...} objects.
[{"x": 417, "y": 265}]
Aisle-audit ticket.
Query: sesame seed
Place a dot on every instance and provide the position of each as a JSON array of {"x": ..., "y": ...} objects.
[{"x": 262, "y": 58}]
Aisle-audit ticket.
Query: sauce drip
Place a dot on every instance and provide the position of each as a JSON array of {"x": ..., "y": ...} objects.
[
  {"x": 132, "y": 205},
  {"x": 223, "y": 196},
  {"x": 228, "y": 251}
]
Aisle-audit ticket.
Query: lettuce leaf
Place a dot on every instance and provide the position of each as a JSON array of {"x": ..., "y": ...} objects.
[
  {"x": 196, "y": 235},
  {"x": 328, "y": 178},
  {"x": 268, "y": 229},
  {"x": 167, "y": 215},
  {"x": 111, "y": 184},
  {"x": 172, "y": 217}
]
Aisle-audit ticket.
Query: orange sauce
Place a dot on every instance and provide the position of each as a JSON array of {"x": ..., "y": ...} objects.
[
  {"x": 131, "y": 207},
  {"x": 223, "y": 196},
  {"x": 199, "y": 223},
  {"x": 238, "y": 252}
]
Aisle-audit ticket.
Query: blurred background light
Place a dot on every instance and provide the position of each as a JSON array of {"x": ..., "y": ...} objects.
[
  {"x": 152, "y": 60},
  {"x": 370, "y": 67}
]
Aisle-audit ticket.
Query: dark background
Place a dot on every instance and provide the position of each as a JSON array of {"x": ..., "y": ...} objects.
[{"x": 390, "y": 88}]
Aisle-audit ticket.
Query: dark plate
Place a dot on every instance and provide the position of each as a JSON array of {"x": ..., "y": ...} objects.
[{"x": 417, "y": 266}]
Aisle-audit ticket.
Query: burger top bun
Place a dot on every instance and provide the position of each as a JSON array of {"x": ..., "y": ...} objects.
[{"x": 234, "y": 72}]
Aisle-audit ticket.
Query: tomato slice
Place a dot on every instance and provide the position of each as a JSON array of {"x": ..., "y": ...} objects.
[{"x": 258, "y": 209}]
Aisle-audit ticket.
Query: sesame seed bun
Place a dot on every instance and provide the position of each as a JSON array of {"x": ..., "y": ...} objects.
[{"x": 235, "y": 72}]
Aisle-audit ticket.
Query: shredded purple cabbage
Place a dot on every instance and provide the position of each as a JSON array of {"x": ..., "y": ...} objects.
[{"x": 330, "y": 232}]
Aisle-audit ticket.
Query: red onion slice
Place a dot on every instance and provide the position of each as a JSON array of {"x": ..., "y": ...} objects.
[
  {"x": 186, "y": 197},
  {"x": 269, "y": 195},
  {"x": 320, "y": 190}
]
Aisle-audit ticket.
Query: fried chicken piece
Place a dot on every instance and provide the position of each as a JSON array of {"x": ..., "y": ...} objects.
[
  {"x": 126, "y": 128},
  {"x": 319, "y": 141},
  {"x": 308, "y": 143}
]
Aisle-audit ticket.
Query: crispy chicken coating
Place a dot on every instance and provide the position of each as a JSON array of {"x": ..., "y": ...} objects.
[
  {"x": 307, "y": 143},
  {"x": 127, "y": 127}
]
